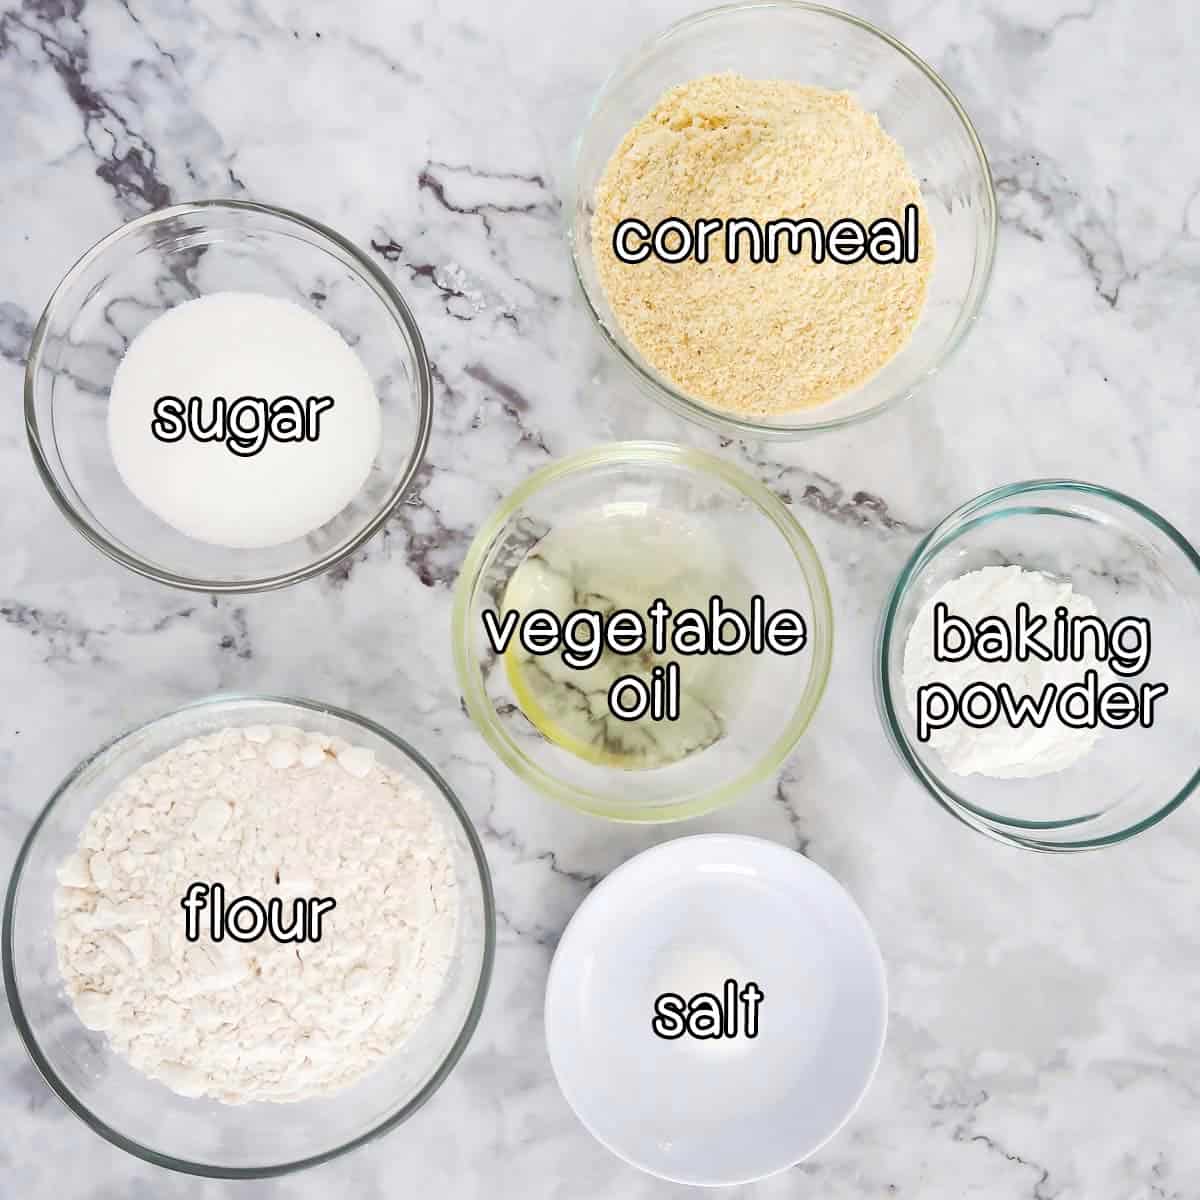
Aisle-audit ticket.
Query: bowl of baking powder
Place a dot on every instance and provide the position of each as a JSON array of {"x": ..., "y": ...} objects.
[{"x": 1038, "y": 665}]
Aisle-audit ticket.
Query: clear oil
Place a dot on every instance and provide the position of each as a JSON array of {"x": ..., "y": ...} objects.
[{"x": 626, "y": 556}]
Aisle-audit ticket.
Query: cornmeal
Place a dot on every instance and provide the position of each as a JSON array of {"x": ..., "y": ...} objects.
[{"x": 761, "y": 339}]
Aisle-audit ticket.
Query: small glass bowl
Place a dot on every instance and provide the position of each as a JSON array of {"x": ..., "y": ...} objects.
[
  {"x": 168, "y": 257},
  {"x": 1129, "y": 562},
  {"x": 783, "y": 39},
  {"x": 778, "y": 561},
  {"x": 203, "y": 1136}
]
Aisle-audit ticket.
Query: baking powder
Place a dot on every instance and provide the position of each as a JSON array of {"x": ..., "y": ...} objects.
[{"x": 1001, "y": 750}]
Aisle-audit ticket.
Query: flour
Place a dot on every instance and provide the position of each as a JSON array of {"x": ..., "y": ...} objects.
[
  {"x": 267, "y": 812},
  {"x": 1001, "y": 751}
]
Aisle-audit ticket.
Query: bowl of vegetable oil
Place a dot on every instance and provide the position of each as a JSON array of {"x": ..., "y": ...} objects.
[{"x": 642, "y": 631}]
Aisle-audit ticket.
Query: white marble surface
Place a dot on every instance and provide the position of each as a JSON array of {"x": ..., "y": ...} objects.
[{"x": 1045, "y": 1011}]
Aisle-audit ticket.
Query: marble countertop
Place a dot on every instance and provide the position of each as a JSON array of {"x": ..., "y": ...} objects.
[{"x": 1045, "y": 1010}]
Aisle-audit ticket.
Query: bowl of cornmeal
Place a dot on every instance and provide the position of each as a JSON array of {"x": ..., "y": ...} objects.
[{"x": 782, "y": 219}]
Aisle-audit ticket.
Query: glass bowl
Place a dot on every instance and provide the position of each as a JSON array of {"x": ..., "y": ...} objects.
[
  {"x": 823, "y": 47},
  {"x": 165, "y": 258},
  {"x": 714, "y": 502},
  {"x": 1129, "y": 562},
  {"x": 204, "y": 1136}
]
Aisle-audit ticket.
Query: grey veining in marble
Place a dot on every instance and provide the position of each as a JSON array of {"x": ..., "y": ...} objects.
[{"x": 1045, "y": 1011}]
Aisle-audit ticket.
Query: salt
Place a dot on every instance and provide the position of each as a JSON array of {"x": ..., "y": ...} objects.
[{"x": 213, "y": 464}]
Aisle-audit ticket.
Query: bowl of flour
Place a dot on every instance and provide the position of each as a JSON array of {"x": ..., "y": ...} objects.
[
  {"x": 249, "y": 936},
  {"x": 1038, "y": 665}
]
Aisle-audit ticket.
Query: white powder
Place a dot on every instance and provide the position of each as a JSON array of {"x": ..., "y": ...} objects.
[
  {"x": 1001, "y": 751},
  {"x": 688, "y": 968},
  {"x": 266, "y": 812},
  {"x": 236, "y": 344}
]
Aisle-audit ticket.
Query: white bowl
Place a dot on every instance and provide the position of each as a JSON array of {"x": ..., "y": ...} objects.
[{"x": 680, "y": 918}]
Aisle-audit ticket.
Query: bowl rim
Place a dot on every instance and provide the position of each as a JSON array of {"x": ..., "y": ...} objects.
[
  {"x": 733, "y": 844},
  {"x": 209, "y": 1170},
  {"x": 422, "y": 387},
  {"x": 661, "y": 390},
  {"x": 1009, "y": 830},
  {"x": 650, "y": 454}
]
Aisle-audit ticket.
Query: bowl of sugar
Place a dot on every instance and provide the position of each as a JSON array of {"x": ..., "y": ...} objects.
[{"x": 227, "y": 397}]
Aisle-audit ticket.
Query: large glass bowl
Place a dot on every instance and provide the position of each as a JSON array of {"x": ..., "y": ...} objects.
[
  {"x": 1129, "y": 562},
  {"x": 203, "y": 1136},
  {"x": 820, "y": 46},
  {"x": 716, "y": 504},
  {"x": 168, "y": 257}
]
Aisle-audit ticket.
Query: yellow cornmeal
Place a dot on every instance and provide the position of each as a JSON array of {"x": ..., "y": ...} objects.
[{"x": 761, "y": 339}]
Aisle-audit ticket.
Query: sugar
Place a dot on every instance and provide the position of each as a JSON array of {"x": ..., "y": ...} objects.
[{"x": 235, "y": 345}]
